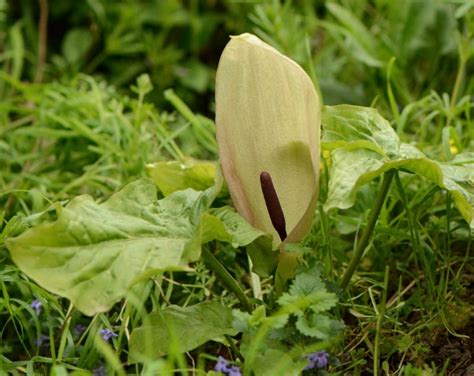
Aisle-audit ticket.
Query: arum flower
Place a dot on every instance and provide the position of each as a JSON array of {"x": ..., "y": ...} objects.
[{"x": 268, "y": 120}]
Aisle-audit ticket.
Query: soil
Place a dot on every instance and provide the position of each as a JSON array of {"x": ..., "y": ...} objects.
[{"x": 459, "y": 350}]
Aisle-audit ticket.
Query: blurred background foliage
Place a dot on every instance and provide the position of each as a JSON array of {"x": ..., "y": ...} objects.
[
  {"x": 73, "y": 112},
  {"x": 349, "y": 44}
]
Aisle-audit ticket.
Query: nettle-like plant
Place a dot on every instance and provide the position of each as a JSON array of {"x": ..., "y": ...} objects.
[{"x": 268, "y": 117}]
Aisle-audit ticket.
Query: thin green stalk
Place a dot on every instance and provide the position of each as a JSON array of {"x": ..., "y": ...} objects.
[
  {"x": 415, "y": 238},
  {"x": 52, "y": 346},
  {"x": 391, "y": 97},
  {"x": 459, "y": 77},
  {"x": 110, "y": 356},
  {"x": 234, "y": 348},
  {"x": 312, "y": 71},
  {"x": 206, "y": 137},
  {"x": 64, "y": 333},
  {"x": 457, "y": 84},
  {"x": 364, "y": 240},
  {"x": 226, "y": 278},
  {"x": 380, "y": 314}
]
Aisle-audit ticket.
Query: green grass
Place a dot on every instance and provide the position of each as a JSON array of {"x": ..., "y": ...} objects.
[{"x": 101, "y": 112}]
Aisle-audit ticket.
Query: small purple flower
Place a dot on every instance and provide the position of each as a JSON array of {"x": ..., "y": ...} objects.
[
  {"x": 234, "y": 371},
  {"x": 37, "y": 306},
  {"x": 100, "y": 371},
  {"x": 41, "y": 339},
  {"x": 317, "y": 359},
  {"x": 107, "y": 334},
  {"x": 222, "y": 365},
  {"x": 79, "y": 329}
]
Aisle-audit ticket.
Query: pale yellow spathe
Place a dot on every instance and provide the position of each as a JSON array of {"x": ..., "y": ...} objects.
[{"x": 268, "y": 119}]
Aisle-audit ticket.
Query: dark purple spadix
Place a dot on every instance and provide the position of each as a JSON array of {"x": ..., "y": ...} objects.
[{"x": 273, "y": 204}]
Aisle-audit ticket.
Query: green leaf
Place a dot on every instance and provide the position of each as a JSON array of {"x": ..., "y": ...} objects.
[
  {"x": 318, "y": 326},
  {"x": 174, "y": 176},
  {"x": 58, "y": 371},
  {"x": 76, "y": 43},
  {"x": 236, "y": 230},
  {"x": 307, "y": 283},
  {"x": 244, "y": 321},
  {"x": 273, "y": 362},
  {"x": 317, "y": 301},
  {"x": 364, "y": 146},
  {"x": 355, "y": 127},
  {"x": 307, "y": 291},
  {"x": 93, "y": 252},
  {"x": 180, "y": 329},
  {"x": 264, "y": 259},
  {"x": 240, "y": 233}
]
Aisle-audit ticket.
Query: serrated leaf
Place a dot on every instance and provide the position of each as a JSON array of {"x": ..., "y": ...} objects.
[
  {"x": 364, "y": 146},
  {"x": 180, "y": 329},
  {"x": 240, "y": 320},
  {"x": 317, "y": 326},
  {"x": 307, "y": 283},
  {"x": 319, "y": 301},
  {"x": 278, "y": 321}
]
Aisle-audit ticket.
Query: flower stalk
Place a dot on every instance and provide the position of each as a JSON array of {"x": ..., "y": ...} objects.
[{"x": 226, "y": 278}]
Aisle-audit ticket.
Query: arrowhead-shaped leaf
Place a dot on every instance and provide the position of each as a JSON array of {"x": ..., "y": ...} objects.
[{"x": 93, "y": 253}]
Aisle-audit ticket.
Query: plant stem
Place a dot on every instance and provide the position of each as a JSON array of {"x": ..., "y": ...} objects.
[
  {"x": 226, "y": 278},
  {"x": 234, "y": 348},
  {"x": 380, "y": 315},
  {"x": 64, "y": 333},
  {"x": 364, "y": 240}
]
